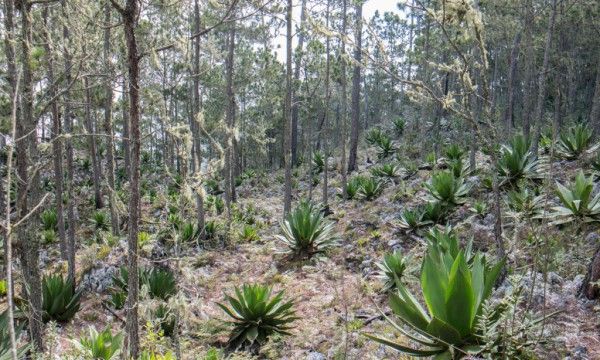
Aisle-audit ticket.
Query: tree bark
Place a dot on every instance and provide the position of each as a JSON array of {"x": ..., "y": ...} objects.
[
  {"x": 509, "y": 122},
  {"x": 296, "y": 87},
  {"x": 595, "y": 112},
  {"x": 92, "y": 144},
  {"x": 196, "y": 111},
  {"x": 344, "y": 100},
  {"x": 325, "y": 198},
  {"x": 230, "y": 148},
  {"x": 356, "y": 89},
  {"x": 287, "y": 125}
]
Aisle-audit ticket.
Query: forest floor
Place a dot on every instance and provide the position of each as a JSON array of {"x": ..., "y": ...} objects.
[{"x": 338, "y": 297}]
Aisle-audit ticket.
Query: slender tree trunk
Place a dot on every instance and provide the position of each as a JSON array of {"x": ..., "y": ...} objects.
[
  {"x": 344, "y": 97},
  {"x": 356, "y": 90},
  {"x": 125, "y": 143},
  {"x": 541, "y": 97},
  {"x": 27, "y": 154},
  {"x": 92, "y": 144},
  {"x": 529, "y": 68},
  {"x": 590, "y": 287},
  {"x": 196, "y": 112},
  {"x": 595, "y": 112},
  {"x": 108, "y": 125},
  {"x": 129, "y": 14},
  {"x": 296, "y": 87},
  {"x": 230, "y": 150},
  {"x": 325, "y": 198},
  {"x": 512, "y": 68},
  {"x": 287, "y": 125}
]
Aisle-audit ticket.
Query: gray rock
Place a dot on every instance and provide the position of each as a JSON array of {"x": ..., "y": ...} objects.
[
  {"x": 313, "y": 355},
  {"x": 580, "y": 352},
  {"x": 592, "y": 238},
  {"x": 99, "y": 279}
]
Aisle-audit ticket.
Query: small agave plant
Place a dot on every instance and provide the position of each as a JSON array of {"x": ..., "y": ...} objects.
[
  {"x": 412, "y": 220},
  {"x": 448, "y": 189},
  {"x": 100, "y": 346},
  {"x": 517, "y": 162},
  {"x": 392, "y": 268},
  {"x": 577, "y": 202},
  {"x": 306, "y": 232},
  {"x": 385, "y": 147},
  {"x": 370, "y": 188},
  {"x": 455, "y": 291},
  {"x": 576, "y": 141},
  {"x": 390, "y": 171},
  {"x": 256, "y": 315}
]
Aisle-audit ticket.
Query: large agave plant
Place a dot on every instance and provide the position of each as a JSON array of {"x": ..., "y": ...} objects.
[
  {"x": 391, "y": 269},
  {"x": 389, "y": 171},
  {"x": 256, "y": 315},
  {"x": 306, "y": 232},
  {"x": 370, "y": 188},
  {"x": 385, "y": 147},
  {"x": 576, "y": 141},
  {"x": 448, "y": 189},
  {"x": 318, "y": 162},
  {"x": 100, "y": 346},
  {"x": 161, "y": 283},
  {"x": 525, "y": 203},
  {"x": 517, "y": 162},
  {"x": 455, "y": 291},
  {"x": 577, "y": 201},
  {"x": 60, "y": 300},
  {"x": 5, "y": 353}
]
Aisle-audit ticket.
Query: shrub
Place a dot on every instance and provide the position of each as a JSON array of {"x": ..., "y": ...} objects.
[
  {"x": 49, "y": 220},
  {"x": 577, "y": 201},
  {"x": 391, "y": 269},
  {"x": 399, "y": 125},
  {"x": 257, "y": 315},
  {"x": 412, "y": 220},
  {"x": 100, "y": 221},
  {"x": 388, "y": 170},
  {"x": 161, "y": 283},
  {"x": 306, "y": 232},
  {"x": 249, "y": 233},
  {"x": 318, "y": 162},
  {"x": 373, "y": 136},
  {"x": 455, "y": 293},
  {"x": 444, "y": 187},
  {"x": 517, "y": 162},
  {"x": 524, "y": 203},
  {"x": 370, "y": 188},
  {"x": 103, "y": 345},
  {"x": 576, "y": 141},
  {"x": 60, "y": 300},
  {"x": 385, "y": 147}
]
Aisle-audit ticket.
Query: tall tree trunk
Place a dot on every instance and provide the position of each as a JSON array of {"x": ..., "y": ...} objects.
[
  {"x": 68, "y": 125},
  {"x": 541, "y": 97},
  {"x": 590, "y": 287},
  {"x": 56, "y": 141},
  {"x": 529, "y": 68},
  {"x": 512, "y": 68},
  {"x": 230, "y": 149},
  {"x": 27, "y": 154},
  {"x": 196, "y": 112},
  {"x": 125, "y": 143},
  {"x": 287, "y": 125},
  {"x": 343, "y": 90},
  {"x": 356, "y": 89},
  {"x": 108, "y": 125},
  {"x": 325, "y": 198},
  {"x": 129, "y": 14},
  {"x": 595, "y": 112},
  {"x": 92, "y": 144},
  {"x": 296, "y": 87}
]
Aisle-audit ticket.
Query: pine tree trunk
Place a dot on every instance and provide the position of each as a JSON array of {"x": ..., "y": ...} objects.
[
  {"x": 512, "y": 68},
  {"x": 356, "y": 90},
  {"x": 343, "y": 90},
  {"x": 287, "y": 147},
  {"x": 325, "y": 198},
  {"x": 92, "y": 144},
  {"x": 196, "y": 111},
  {"x": 297, "y": 67}
]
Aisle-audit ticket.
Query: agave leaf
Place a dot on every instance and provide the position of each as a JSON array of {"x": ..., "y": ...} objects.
[
  {"x": 404, "y": 349},
  {"x": 459, "y": 297}
]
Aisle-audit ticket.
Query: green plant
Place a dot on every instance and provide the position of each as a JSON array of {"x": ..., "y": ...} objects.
[
  {"x": 165, "y": 319},
  {"x": 49, "y": 236},
  {"x": 306, "y": 232},
  {"x": 373, "y": 136},
  {"x": 161, "y": 283},
  {"x": 101, "y": 346},
  {"x": 525, "y": 203},
  {"x": 455, "y": 292},
  {"x": 387, "y": 170},
  {"x": 257, "y": 315},
  {"x": 577, "y": 201},
  {"x": 143, "y": 238},
  {"x": 175, "y": 221},
  {"x": 444, "y": 187},
  {"x": 431, "y": 159},
  {"x": 391, "y": 269},
  {"x": 576, "y": 141},
  {"x": 399, "y": 125},
  {"x": 353, "y": 186},
  {"x": 459, "y": 168},
  {"x": 517, "y": 162},
  {"x": 249, "y": 233},
  {"x": 118, "y": 298},
  {"x": 385, "y": 147},
  {"x": 479, "y": 208},
  {"x": 5, "y": 350},
  {"x": 434, "y": 212},
  {"x": 60, "y": 300},
  {"x": 211, "y": 228},
  {"x": 370, "y": 188},
  {"x": 100, "y": 221},
  {"x": 412, "y": 220},
  {"x": 49, "y": 220},
  {"x": 3, "y": 288},
  {"x": 212, "y": 186},
  {"x": 454, "y": 152},
  {"x": 318, "y": 162},
  {"x": 153, "y": 356},
  {"x": 188, "y": 232}
]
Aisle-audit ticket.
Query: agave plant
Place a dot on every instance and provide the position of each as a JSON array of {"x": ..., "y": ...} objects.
[
  {"x": 257, "y": 315},
  {"x": 434, "y": 212},
  {"x": 188, "y": 232},
  {"x": 49, "y": 220},
  {"x": 455, "y": 291},
  {"x": 445, "y": 238},
  {"x": 479, "y": 208},
  {"x": 249, "y": 233},
  {"x": 576, "y": 141},
  {"x": 454, "y": 153},
  {"x": 517, "y": 162},
  {"x": 387, "y": 170},
  {"x": 525, "y": 203},
  {"x": 391, "y": 269},
  {"x": 100, "y": 346},
  {"x": 5, "y": 351},
  {"x": 370, "y": 188},
  {"x": 306, "y": 232},
  {"x": 161, "y": 283},
  {"x": 399, "y": 125},
  {"x": 577, "y": 201},
  {"x": 373, "y": 136},
  {"x": 318, "y": 162},
  {"x": 60, "y": 300},
  {"x": 165, "y": 319},
  {"x": 211, "y": 228},
  {"x": 444, "y": 187},
  {"x": 385, "y": 147},
  {"x": 353, "y": 186},
  {"x": 459, "y": 168},
  {"x": 412, "y": 220},
  {"x": 100, "y": 221}
]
